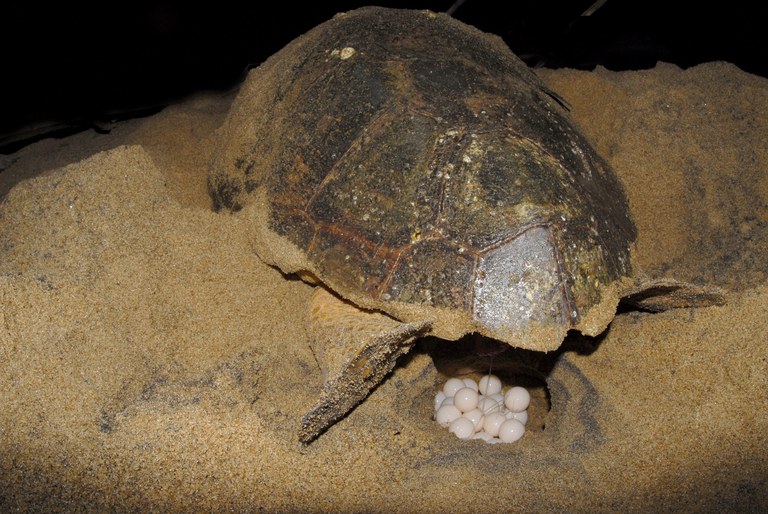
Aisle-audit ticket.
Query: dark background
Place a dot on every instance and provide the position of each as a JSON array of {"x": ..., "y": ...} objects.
[{"x": 67, "y": 68}]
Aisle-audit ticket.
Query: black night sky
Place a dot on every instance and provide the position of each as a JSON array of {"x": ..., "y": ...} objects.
[{"x": 70, "y": 67}]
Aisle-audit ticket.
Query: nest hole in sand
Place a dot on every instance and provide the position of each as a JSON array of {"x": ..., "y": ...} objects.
[{"x": 475, "y": 356}]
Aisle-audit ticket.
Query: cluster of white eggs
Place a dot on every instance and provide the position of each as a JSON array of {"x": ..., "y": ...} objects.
[{"x": 473, "y": 410}]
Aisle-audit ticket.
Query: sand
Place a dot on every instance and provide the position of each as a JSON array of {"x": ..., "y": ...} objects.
[{"x": 150, "y": 361}]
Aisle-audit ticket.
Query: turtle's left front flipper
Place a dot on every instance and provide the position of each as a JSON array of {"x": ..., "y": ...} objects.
[{"x": 355, "y": 349}]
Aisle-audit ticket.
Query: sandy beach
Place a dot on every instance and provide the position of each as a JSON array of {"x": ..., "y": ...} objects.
[{"x": 150, "y": 361}]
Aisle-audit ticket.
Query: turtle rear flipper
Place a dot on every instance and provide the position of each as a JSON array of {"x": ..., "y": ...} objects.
[
  {"x": 355, "y": 350},
  {"x": 661, "y": 294}
]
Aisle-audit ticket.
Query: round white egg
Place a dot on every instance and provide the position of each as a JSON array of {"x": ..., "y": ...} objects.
[
  {"x": 466, "y": 399},
  {"x": 473, "y": 410},
  {"x": 476, "y": 416},
  {"x": 446, "y": 414},
  {"x": 511, "y": 430},
  {"x": 493, "y": 422},
  {"x": 488, "y": 405},
  {"x": 453, "y": 385},
  {"x": 517, "y": 399},
  {"x": 439, "y": 397},
  {"x": 468, "y": 382},
  {"x": 522, "y": 417},
  {"x": 490, "y": 384},
  {"x": 462, "y": 427}
]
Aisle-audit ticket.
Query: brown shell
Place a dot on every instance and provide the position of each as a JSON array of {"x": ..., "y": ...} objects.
[{"x": 415, "y": 166}]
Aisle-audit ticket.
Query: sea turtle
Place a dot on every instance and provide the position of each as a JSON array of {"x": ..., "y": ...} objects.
[{"x": 427, "y": 179}]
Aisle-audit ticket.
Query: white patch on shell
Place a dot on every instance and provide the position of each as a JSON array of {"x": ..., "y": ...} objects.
[
  {"x": 517, "y": 286},
  {"x": 343, "y": 54},
  {"x": 346, "y": 53}
]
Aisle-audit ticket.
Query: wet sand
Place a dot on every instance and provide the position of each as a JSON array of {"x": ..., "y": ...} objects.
[{"x": 149, "y": 360}]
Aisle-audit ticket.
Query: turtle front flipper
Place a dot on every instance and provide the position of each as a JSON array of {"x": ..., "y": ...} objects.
[{"x": 355, "y": 349}]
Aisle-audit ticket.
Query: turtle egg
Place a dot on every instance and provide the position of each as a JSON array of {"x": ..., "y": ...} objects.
[
  {"x": 490, "y": 384},
  {"x": 522, "y": 417},
  {"x": 488, "y": 405},
  {"x": 439, "y": 397},
  {"x": 466, "y": 399},
  {"x": 468, "y": 382},
  {"x": 498, "y": 397},
  {"x": 476, "y": 417},
  {"x": 447, "y": 414},
  {"x": 453, "y": 385},
  {"x": 517, "y": 399},
  {"x": 462, "y": 427},
  {"x": 493, "y": 422},
  {"x": 511, "y": 430},
  {"x": 469, "y": 412}
]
